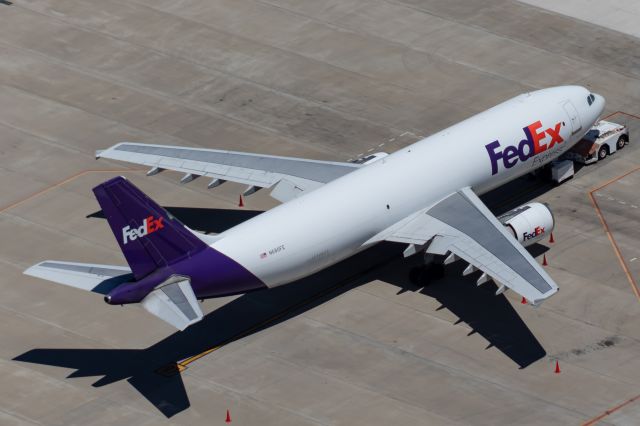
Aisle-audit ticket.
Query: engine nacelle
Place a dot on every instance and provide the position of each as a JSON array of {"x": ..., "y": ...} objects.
[{"x": 529, "y": 223}]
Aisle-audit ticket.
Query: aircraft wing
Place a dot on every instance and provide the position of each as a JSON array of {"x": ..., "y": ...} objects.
[
  {"x": 289, "y": 177},
  {"x": 462, "y": 226}
]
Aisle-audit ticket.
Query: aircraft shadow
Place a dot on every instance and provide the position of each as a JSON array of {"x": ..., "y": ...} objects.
[
  {"x": 515, "y": 193},
  {"x": 492, "y": 317}
]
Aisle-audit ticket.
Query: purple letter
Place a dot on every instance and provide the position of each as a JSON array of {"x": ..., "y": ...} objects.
[{"x": 494, "y": 156}]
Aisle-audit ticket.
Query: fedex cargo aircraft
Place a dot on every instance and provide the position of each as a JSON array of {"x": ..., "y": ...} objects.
[{"x": 424, "y": 196}]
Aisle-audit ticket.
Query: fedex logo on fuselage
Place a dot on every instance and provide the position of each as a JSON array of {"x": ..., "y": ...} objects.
[
  {"x": 149, "y": 225},
  {"x": 535, "y": 142}
]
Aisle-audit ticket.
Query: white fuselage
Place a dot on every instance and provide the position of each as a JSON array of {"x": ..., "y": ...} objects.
[{"x": 314, "y": 231}]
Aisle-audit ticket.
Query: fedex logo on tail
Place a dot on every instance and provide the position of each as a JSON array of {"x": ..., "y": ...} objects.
[
  {"x": 149, "y": 225},
  {"x": 535, "y": 142}
]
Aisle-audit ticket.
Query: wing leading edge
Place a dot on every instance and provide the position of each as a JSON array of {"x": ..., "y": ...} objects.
[
  {"x": 461, "y": 224},
  {"x": 289, "y": 177}
]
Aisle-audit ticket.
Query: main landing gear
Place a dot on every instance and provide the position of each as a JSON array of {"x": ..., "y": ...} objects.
[{"x": 425, "y": 274}]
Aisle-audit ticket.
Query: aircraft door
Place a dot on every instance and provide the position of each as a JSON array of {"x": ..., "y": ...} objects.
[{"x": 576, "y": 125}]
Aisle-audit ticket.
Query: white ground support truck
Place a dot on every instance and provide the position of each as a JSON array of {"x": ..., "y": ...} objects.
[{"x": 601, "y": 140}]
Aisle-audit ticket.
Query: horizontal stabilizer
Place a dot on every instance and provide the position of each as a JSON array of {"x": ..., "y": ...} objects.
[
  {"x": 174, "y": 302},
  {"x": 99, "y": 279}
]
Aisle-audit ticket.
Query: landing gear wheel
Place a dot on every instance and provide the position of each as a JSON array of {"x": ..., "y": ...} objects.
[
  {"x": 602, "y": 152},
  {"x": 425, "y": 275},
  {"x": 415, "y": 274},
  {"x": 420, "y": 276},
  {"x": 621, "y": 142},
  {"x": 436, "y": 271}
]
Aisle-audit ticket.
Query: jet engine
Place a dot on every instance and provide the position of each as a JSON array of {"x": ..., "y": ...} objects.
[{"x": 529, "y": 223}]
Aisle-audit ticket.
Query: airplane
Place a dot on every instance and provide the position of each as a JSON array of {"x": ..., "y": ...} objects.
[{"x": 424, "y": 196}]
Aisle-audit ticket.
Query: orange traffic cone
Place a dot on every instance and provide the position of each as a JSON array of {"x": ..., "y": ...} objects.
[
  {"x": 241, "y": 202},
  {"x": 523, "y": 301},
  {"x": 551, "y": 240},
  {"x": 544, "y": 260},
  {"x": 557, "y": 367},
  {"x": 228, "y": 419}
]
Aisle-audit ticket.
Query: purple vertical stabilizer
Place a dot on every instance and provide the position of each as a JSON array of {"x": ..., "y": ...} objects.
[
  {"x": 150, "y": 238},
  {"x": 158, "y": 246}
]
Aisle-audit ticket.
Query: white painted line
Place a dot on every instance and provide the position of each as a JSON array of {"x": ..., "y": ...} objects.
[
  {"x": 392, "y": 139},
  {"x": 381, "y": 145},
  {"x": 622, "y": 202},
  {"x": 634, "y": 206},
  {"x": 599, "y": 195},
  {"x": 405, "y": 133},
  {"x": 633, "y": 260},
  {"x": 370, "y": 149}
]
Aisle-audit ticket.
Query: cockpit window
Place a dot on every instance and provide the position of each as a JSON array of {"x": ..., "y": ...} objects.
[{"x": 590, "y": 98}]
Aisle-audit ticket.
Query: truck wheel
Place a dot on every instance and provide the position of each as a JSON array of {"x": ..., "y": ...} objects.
[
  {"x": 621, "y": 142},
  {"x": 602, "y": 152}
]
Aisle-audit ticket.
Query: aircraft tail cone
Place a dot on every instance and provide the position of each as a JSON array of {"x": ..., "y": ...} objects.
[
  {"x": 544, "y": 260},
  {"x": 523, "y": 301},
  {"x": 551, "y": 240},
  {"x": 228, "y": 419},
  {"x": 557, "y": 367},
  {"x": 241, "y": 202}
]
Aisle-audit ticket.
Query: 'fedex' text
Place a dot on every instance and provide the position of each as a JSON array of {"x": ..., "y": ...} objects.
[
  {"x": 528, "y": 236},
  {"x": 148, "y": 226},
  {"x": 536, "y": 142}
]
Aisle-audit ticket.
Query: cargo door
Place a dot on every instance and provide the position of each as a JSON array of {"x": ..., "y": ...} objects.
[{"x": 574, "y": 118}]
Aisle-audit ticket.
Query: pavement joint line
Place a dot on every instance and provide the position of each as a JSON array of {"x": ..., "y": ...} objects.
[
  {"x": 146, "y": 91},
  {"x": 610, "y": 411},
  {"x": 527, "y": 45},
  {"x": 625, "y": 268},
  {"x": 373, "y": 77},
  {"x": 454, "y": 371},
  {"x": 182, "y": 365},
  {"x": 550, "y": 310},
  {"x": 426, "y": 52},
  {"x": 623, "y": 113},
  {"x": 616, "y": 249},
  {"x": 45, "y": 140},
  {"x": 80, "y": 68},
  {"x": 63, "y": 182}
]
